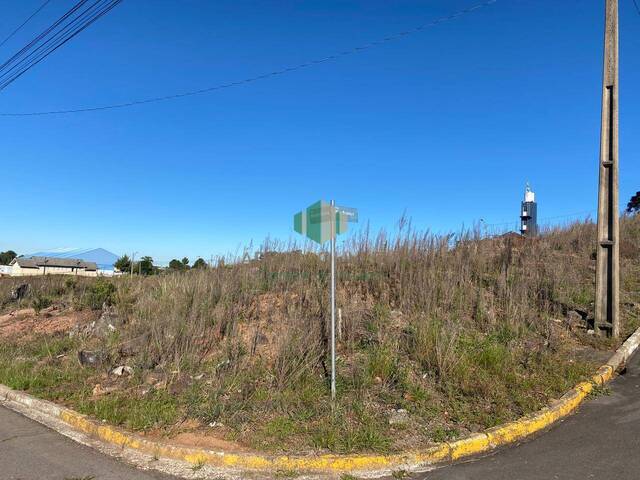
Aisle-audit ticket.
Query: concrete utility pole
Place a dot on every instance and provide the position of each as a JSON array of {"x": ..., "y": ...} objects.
[{"x": 607, "y": 270}]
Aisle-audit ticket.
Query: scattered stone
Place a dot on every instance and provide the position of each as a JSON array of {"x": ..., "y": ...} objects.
[
  {"x": 103, "y": 327},
  {"x": 20, "y": 292},
  {"x": 121, "y": 370},
  {"x": 90, "y": 359},
  {"x": 107, "y": 322},
  {"x": 590, "y": 332},
  {"x": 575, "y": 319},
  {"x": 399, "y": 417}
]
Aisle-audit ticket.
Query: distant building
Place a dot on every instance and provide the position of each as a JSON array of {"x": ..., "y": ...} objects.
[
  {"x": 104, "y": 259},
  {"x": 31, "y": 266},
  {"x": 529, "y": 214}
]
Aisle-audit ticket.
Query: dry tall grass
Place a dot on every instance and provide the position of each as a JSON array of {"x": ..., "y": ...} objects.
[
  {"x": 461, "y": 331},
  {"x": 435, "y": 286}
]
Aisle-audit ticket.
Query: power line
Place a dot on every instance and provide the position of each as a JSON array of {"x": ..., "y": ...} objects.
[
  {"x": 274, "y": 73},
  {"x": 30, "y": 49},
  {"x": 71, "y": 24},
  {"x": 29, "y": 56},
  {"x": 67, "y": 33},
  {"x": 24, "y": 23},
  {"x": 26, "y": 48},
  {"x": 635, "y": 2}
]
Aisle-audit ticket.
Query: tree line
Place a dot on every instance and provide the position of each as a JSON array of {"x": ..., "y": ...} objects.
[{"x": 145, "y": 265}]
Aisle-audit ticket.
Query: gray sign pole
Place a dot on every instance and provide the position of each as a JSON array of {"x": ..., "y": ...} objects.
[
  {"x": 333, "y": 300},
  {"x": 312, "y": 223}
]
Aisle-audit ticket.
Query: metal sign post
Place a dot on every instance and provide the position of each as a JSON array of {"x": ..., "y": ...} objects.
[
  {"x": 333, "y": 303},
  {"x": 321, "y": 222}
]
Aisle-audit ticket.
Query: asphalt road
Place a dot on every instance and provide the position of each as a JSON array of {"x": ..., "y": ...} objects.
[
  {"x": 30, "y": 451},
  {"x": 602, "y": 441}
]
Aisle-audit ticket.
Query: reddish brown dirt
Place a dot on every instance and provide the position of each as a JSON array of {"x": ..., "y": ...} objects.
[
  {"x": 24, "y": 324},
  {"x": 190, "y": 433}
]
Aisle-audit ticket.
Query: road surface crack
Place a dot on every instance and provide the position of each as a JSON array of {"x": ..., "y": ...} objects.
[{"x": 26, "y": 435}]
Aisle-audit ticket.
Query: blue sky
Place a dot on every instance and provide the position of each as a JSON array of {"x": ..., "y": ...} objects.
[{"x": 446, "y": 125}]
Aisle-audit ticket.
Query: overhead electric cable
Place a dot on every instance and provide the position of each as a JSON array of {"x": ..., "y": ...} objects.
[
  {"x": 73, "y": 28},
  {"x": 274, "y": 73},
  {"x": 64, "y": 29},
  {"x": 31, "y": 50},
  {"x": 24, "y": 23},
  {"x": 635, "y": 2},
  {"x": 16, "y": 56}
]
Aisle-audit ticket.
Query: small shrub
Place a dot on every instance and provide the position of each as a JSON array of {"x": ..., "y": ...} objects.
[
  {"x": 101, "y": 292},
  {"x": 70, "y": 283},
  {"x": 40, "y": 302}
]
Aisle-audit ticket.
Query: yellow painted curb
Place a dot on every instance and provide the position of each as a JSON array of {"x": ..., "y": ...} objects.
[
  {"x": 603, "y": 375},
  {"x": 471, "y": 445},
  {"x": 441, "y": 453},
  {"x": 371, "y": 465}
]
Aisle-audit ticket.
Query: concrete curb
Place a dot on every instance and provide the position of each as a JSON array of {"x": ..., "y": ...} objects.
[{"x": 333, "y": 465}]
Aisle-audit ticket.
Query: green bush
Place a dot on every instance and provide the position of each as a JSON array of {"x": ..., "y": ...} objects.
[
  {"x": 101, "y": 292},
  {"x": 70, "y": 283},
  {"x": 40, "y": 302}
]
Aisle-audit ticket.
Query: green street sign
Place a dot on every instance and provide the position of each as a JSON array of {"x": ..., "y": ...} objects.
[
  {"x": 315, "y": 221},
  {"x": 349, "y": 212}
]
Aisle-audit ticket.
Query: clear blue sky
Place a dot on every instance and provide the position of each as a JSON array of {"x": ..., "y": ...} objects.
[{"x": 447, "y": 124}]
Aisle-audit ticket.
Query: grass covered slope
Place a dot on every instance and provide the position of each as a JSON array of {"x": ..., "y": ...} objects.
[{"x": 441, "y": 336}]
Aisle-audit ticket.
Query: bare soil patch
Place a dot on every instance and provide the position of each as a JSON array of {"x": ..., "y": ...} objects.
[{"x": 24, "y": 324}]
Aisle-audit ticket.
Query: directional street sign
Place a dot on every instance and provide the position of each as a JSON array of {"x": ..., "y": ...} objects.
[
  {"x": 350, "y": 213},
  {"x": 314, "y": 222}
]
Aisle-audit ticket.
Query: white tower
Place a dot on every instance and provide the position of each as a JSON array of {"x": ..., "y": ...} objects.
[{"x": 529, "y": 214}]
